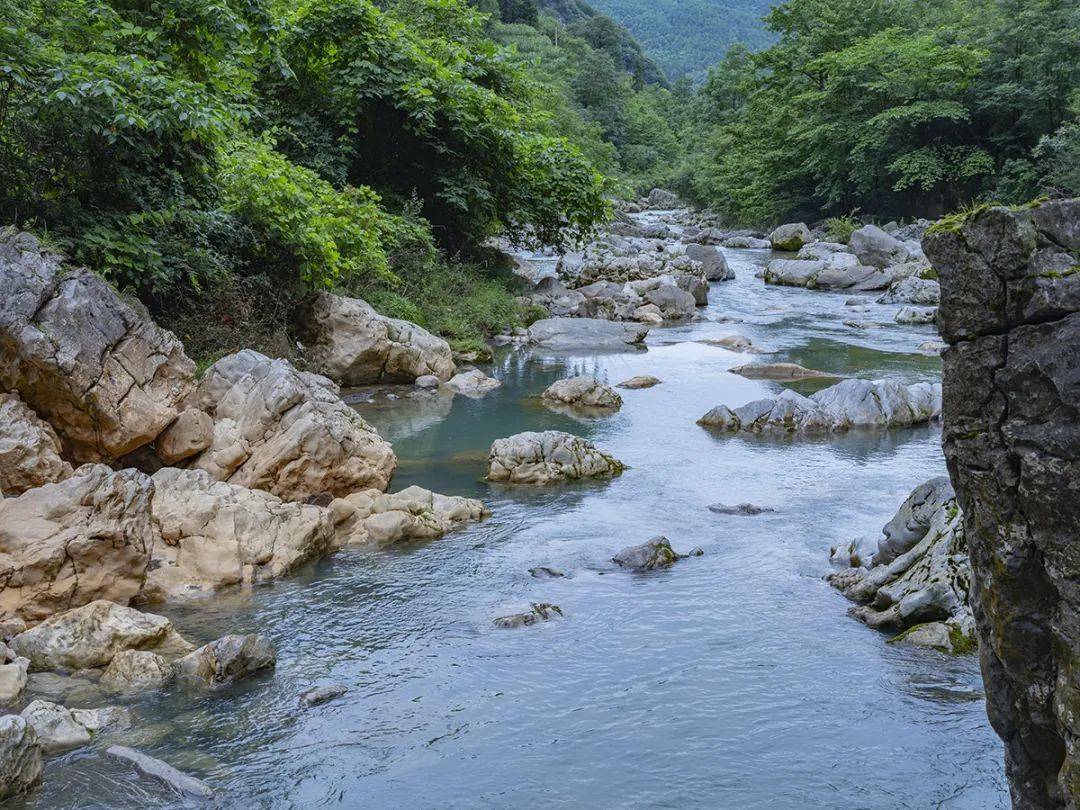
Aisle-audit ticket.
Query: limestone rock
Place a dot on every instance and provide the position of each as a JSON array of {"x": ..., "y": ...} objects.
[
  {"x": 29, "y": 449},
  {"x": 563, "y": 334},
  {"x": 472, "y": 383},
  {"x": 89, "y": 636},
  {"x": 228, "y": 659},
  {"x": 95, "y": 367},
  {"x": 136, "y": 671},
  {"x": 638, "y": 382},
  {"x": 353, "y": 344},
  {"x": 655, "y": 553},
  {"x": 913, "y": 290},
  {"x": 539, "y": 612},
  {"x": 13, "y": 678},
  {"x": 214, "y": 534},
  {"x": 790, "y": 237},
  {"x": 149, "y": 766},
  {"x": 712, "y": 261},
  {"x": 582, "y": 391},
  {"x": 414, "y": 513},
  {"x": 776, "y": 371},
  {"x": 286, "y": 431},
  {"x": 20, "y": 756},
  {"x": 191, "y": 433},
  {"x": 1010, "y": 310},
  {"x": 848, "y": 404},
  {"x": 747, "y": 242},
  {"x": 916, "y": 315},
  {"x": 876, "y": 248},
  {"x": 59, "y": 728},
  {"x": 63, "y": 545},
  {"x": 547, "y": 457}
]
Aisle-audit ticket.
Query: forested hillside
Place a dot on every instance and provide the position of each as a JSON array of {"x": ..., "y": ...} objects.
[{"x": 687, "y": 37}]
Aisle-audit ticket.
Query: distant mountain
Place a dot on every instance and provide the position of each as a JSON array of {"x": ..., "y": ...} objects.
[{"x": 687, "y": 36}]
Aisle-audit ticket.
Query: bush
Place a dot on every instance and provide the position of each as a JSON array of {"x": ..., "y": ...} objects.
[{"x": 840, "y": 229}]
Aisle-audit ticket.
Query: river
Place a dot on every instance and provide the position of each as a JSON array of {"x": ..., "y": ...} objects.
[{"x": 734, "y": 679}]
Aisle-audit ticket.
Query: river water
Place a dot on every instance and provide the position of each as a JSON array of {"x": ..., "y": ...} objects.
[{"x": 734, "y": 679}]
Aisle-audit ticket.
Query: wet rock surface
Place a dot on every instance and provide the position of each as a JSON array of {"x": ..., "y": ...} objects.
[
  {"x": 539, "y": 612},
  {"x": 227, "y": 659},
  {"x": 654, "y": 553},
  {"x": 1010, "y": 311}
]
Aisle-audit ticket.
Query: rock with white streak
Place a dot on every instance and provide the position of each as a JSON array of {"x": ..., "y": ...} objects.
[
  {"x": 286, "y": 431},
  {"x": 30, "y": 452},
  {"x": 548, "y": 457}
]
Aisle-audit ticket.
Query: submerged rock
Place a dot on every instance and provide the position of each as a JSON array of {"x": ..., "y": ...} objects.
[
  {"x": 746, "y": 509},
  {"x": 655, "y": 553},
  {"x": 63, "y": 545},
  {"x": 20, "y": 756},
  {"x": 227, "y": 659},
  {"x": 89, "y": 636},
  {"x": 91, "y": 364},
  {"x": 790, "y": 237},
  {"x": 30, "y": 452},
  {"x": 214, "y": 534},
  {"x": 540, "y": 612},
  {"x": 353, "y": 344},
  {"x": 642, "y": 381},
  {"x": 544, "y": 572},
  {"x": 473, "y": 383},
  {"x": 287, "y": 431},
  {"x": 149, "y": 766},
  {"x": 414, "y": 513},
  {"x": 322, "y": 694},
  {"x": 777, "y": 371},
  {"x": 543, "y": 458},
  {"x": 582, "y": 391},
  {"x": 585, "y": 333}
]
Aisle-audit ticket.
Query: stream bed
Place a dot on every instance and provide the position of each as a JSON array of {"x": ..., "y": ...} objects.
[{"x": 734, "y": 679}]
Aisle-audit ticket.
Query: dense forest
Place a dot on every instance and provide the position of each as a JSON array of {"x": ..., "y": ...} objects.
[{"x": 220, "y": 158}]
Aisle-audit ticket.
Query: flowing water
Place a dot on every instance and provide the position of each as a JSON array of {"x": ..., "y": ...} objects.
[{"x": 734, "y": 679}]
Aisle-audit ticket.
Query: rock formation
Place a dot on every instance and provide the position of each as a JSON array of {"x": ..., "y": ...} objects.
[
  {"x": 20, "y": 756},
  {"x": 1010, "y": 310},
  {"x": 584, "y": 392},
  {"x": 568, "y": 334},
  {"x": 30, "y": 453},
  {"x": 414, "y": 513},
  {"x": 547, "y": 457}
]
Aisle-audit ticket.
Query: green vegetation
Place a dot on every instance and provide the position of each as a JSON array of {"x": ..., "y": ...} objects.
[{"x": 904, "y": 108}]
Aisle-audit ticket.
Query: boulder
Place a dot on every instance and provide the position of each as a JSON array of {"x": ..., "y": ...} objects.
[
  {"x": 662, "y": 198},
  {"x": 913, "y": 290},
  {"x": 149, "y": 766},
  {"x": 13, "y": 670},
  {"x": 89, "y": 636},
  {"x": 214, "y": 534},
  {"x": 29, "y": 449},
  {"x": 539, "y": 612},
  {"x": 742, "y": 509},
  {"x": 286, "y": 431},
  {"x": 136, "y": 671},
  {"x": 415, "y": 513},
  {"x": 352, "y": 344},
  {"x": 734, "y": 343},
  {"x": 190, "y": 434},
  {"x": 567, "y": 334},
  {"x": 473, "y": 383},
  {"x": 59, "y": 728},
  {"x": 88, "y": 362},
  {"x": 793, "y": 272},
  {"x": 655, "y": 553},
  {"x": 790, "y": 237},
  {"x": 226, "y": 660},
  {"x": 582, "y": 391},
  {"x": 747, "y": 242},
  {"x": 694, "y": 284},
  {"x": 20, "y": 756},
  {"x": 427, "y": 381},
  {"x": 936, "y": 636},
  {"x": 674, "y": 304},
  {"x": 544, "y": 458},
  {"x": 649, "y": 314},
  {"x": 876, "y": 248},
  {"x": 640, "y": 381},
  {"x": 916, "y": 315},
  {"x": 777, "y": 371},
  {"x": 846, "y": 405},
  {"x": 713, "y": 263},
  {"x": 821, "y": 250},
  {"x": 85, "y": 538}
]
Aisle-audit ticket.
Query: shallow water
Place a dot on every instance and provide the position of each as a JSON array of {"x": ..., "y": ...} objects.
[{"x": 734, "y": 679}]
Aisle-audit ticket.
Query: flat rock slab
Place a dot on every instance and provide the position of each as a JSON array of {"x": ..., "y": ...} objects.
[
  {"x": 777, "y": 371},
  {"x": 586, "y": 333},
  {"x": 744, "y": 509},
  {"x": 149, "y": 766},
  {"x": 641, "y": 381},
  {"x": 540, "y": 612}
]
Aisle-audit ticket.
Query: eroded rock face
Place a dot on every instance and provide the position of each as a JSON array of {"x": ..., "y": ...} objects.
[
  {"x": 1010, "y": 310},
  {"x": 584, "y": 392},
  {"x": 20, "y": 756},
  {"x": 214, "y": 534},
  {"x": 66, "y": 544},
  {"x": 95, "y": 367},
  {"x": 286, "y": 431},
  {"x": 846, "y": 405},
  {"x": 29, "y": 449},
  {"x": 353, "y": 344},
  {"x": 919, "y": 572},
  {"x": 414, "y": 513},
  {"x": 543, "y": 458},
  {"x": 89, "y": 636}
]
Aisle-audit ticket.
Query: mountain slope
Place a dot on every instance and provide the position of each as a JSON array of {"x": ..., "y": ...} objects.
[{"x": 687, "y": 36}]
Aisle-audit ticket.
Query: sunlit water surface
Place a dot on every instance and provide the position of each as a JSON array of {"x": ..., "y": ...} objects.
[{"x": 734, "y": 679}]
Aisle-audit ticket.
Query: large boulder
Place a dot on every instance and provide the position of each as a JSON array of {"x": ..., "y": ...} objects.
[
  {"x": 91, "y": 364},
  {"x": 655, "y": 553},
  {"x": 920, "y": 573},
  {"x": 59, "y": 728},
  {"x": 793, "y": 272},
  {"x": 286, "y": 431},
  {"x": 352, "y": 344},
  {"x": 473, "y": 383},
  {"x": 662, "y": 198},
  {"x": 63, "y": 545},
  {"x": 674, "y": 303},
  {"x": 1010, "y": 310},
  {"x": 20, "y": 756},
  {"x": 214, "y": 534},
  {"x": 712, "y": 261},
  {"x": 913, "y": 290},
  {"x": 89, "y": 636},
  {"x": 790, "y": 237},
  {"x": 547, "y": 457},
  {"x": 227, "y": 659},
  {"x": 568, "y": 334},
  {"x": 876, "y": 248},
  {"x": 582, "y": 391},
  {"x": 415, "y": 513},
  {"x": 136, "y": 671},
  {"x": 29, "y": 449},
  {"x": 846, "y": 405}
]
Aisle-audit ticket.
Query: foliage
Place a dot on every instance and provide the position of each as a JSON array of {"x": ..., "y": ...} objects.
[{"x": 839, "y": 229}]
